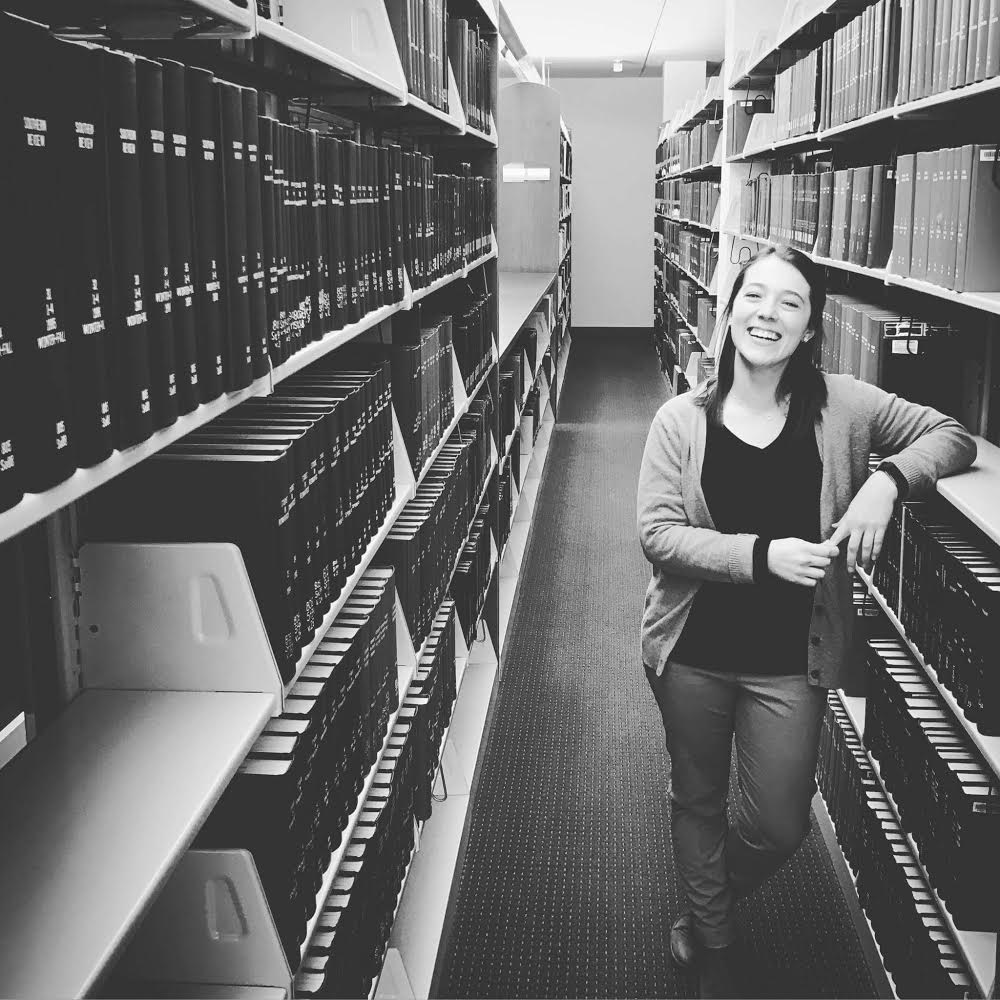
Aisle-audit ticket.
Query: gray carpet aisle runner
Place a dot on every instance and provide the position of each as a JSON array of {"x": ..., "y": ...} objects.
[{"x": 566, "y": 884}]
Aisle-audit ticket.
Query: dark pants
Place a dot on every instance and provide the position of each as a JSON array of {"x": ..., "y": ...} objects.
[{"x": 776, "y": 722}]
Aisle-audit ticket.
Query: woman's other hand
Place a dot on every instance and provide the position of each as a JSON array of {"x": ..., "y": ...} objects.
[
  {"x": 799, "y": 561},
  {"x": 865, "y": 521}
]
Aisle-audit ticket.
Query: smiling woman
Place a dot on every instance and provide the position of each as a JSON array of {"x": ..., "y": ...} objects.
[{"x": 748, "y": 486}]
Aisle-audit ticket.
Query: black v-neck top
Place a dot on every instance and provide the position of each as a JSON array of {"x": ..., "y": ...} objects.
[{"x": 763, "y": 627}]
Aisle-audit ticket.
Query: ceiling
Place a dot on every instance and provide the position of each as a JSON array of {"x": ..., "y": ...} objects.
[{"x": 584, "y": 37}]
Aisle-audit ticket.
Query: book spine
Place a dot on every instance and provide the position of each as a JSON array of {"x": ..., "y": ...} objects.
[
  {"x": 160, "y": 305},
  {"x": 182, "y": 267},
  {"x": 978, "y": 67},
  {"x": 993, "y": 41},
  {"x": 131, "y": 336},
  {"x": 236, "y": 268},
  {"x": 255, "y": 233},
  {"x": 905, "y": 51},
  {"x": 205, "y": 159},
  {"x": 81, "y": 143}
]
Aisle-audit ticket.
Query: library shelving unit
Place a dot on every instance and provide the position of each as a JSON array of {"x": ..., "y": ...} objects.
[
  {"x": 801, "y": 137},
  {"x": 528, "y": 299},
  {"x": 167, "y": 676},
  {"x": 685, "y": 237}
]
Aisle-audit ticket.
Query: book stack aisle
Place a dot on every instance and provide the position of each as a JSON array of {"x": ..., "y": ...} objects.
[
  {"x": 251, "y": 409},
  {"x": 863, "y": 136}
]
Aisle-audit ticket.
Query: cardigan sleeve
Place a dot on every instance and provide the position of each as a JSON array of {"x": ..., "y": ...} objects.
[
  {"x": 668, "y": 539},
  {"x": 924, "y": 444}
]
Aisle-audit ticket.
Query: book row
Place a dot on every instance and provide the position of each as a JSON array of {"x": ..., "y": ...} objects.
[
  {"x": 695, "y": 201},
  {"x": 196, "y": 245},
  {"x": 946, "y": 223},
  {"x": 842, "y": 214},
  {"x": 861, "y": 65},
  {"x": 933, "y": 215},
  {"x": 474, "y": 332},
  {"x": 301, "y": 481},
  {"x": 432, "y": 529},
  {"x": 891, "y": 53},
  {"x": 420, "y": 29},
  {"x": 697, "y": 253},
  {"x": 346, "y": 951},
  {"x": 950, "y": 605},
  {"x": 293, "y": 795},
  {"x": 946, "y": 794},
  {"x": 422, "y": 377},
  {"x": 694, "y": 148},
  {"x": 565, "y": 156},
  {"x": 795, "y": 98},
  {"x": 915, "y": 356},
  {"x": 914, "y": 940},
  {"x": 472, "y": 62}
]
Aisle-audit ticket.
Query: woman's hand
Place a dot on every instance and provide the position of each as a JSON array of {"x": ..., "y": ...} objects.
[
  {"x": 865, "y": 521},
  {"x": 799, "y": 561}
]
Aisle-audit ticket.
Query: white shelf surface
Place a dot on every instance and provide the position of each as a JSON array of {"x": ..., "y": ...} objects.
[
  {"x": 989, "y": 746},
  {"x": 975, "y": 492},
  {"x": 437, "y": 114},
  {"x": 295, "y": 42},
  {"x": 979, "y": 948},
  {"x": 520, "y": 293},
  {"x": 82, "y": 820},
  {"x": 227, "y": 12},
  {"x": 422, "y": 293},
  {"x": 404, "y": 493},
  {"x": 691, "y": 171}
]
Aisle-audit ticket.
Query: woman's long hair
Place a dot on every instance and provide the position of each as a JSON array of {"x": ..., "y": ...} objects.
[{"x": 802, "y": 380}]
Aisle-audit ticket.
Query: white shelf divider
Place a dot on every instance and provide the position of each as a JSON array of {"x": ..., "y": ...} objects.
[
  {"x": 78, "y": 813},
  {"x": 353, "y": 37},
  {"x": 975, "y": 492},
  {"x": 210, "y": 926},
  {"x": 520, "y": 294},
  {"x": 978, "y": 948}
]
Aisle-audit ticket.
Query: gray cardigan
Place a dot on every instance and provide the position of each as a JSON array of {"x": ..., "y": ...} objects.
[{"x": 680, "y": 540}]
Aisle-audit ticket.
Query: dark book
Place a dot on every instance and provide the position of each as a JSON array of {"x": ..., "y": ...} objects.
[
  {"x": 131, "y": 409},
  {"x": 968, "y": 28},
  {"x": 259, "y": 349},
  {"x": 179, "y": 153},
  {"x": 156, "y": 242},
  {"x": 905, "y": 51},
  {"x": 336, "y": 246},
  {"x": 352, "y": 230},
  {"x": 236, "y": 271},
  {"x": 860, "y": 214},
  {"x": 980, "y": 269},
  {"x": 921, "y": 213},
  {"x": 270, "y": 227},
  {"x": 206, "y": 164},
  {"x": 35, "y": 289},
  {"x": 81, "y": 145}
]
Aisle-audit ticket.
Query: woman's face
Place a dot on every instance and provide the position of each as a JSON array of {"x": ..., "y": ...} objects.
[{"x": 770, "y": 315}]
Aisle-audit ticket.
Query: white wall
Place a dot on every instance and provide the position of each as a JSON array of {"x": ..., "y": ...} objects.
[
  {"x": 614, "y": 124},
  {"x": 682, "y": 79}
]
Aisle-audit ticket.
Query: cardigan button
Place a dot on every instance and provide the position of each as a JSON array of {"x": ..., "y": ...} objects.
[
  {"x": 814, "y": 674},
  {"x": 815, "y": 640}
]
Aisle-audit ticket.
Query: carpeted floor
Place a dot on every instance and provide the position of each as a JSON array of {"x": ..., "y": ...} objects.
[{"x": 565, "y": 886}]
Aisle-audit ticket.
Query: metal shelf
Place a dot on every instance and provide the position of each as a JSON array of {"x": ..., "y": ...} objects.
[{"x": 96, "y": 812}]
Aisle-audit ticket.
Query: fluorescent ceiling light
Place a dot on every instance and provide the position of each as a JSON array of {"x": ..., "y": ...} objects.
[{"x": 616, "y": 66}]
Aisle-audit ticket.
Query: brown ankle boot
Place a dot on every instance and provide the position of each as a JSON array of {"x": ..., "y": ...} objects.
[{"x": 683, "y": 946}]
